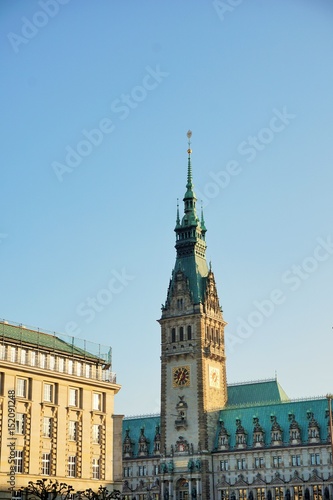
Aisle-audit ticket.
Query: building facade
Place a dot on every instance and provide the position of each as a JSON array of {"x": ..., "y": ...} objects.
[
  {"x": 213, "y": 440},
  {"x": 56, "y": 412}
]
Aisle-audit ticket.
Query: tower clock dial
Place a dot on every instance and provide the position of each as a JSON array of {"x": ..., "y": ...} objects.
[
  {"x": 214, "y": 377},
  {"x": 181, "y": 376}
]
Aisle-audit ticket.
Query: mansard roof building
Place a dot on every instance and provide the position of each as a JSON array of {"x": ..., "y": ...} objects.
[{"x": 212, "y": 440}]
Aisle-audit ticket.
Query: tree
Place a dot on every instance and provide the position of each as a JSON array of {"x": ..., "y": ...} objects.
[
  {"x": 46, "y": 489},
  {"x": 101, "y": 494}
]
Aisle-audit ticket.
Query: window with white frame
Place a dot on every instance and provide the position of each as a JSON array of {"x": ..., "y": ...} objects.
[
  {"x": 61, "y": 364},
  {"x": 156, "y": 470},
  {"x": 127, "y": 471},
  {"x": 47, "y": 427},
  {"x": 96, "y": 468},
  {"x": 42, "y": 360},
  {"x": 70, "y": 367},
  {"x": 21, "y": 387},
  {"x": 78, "y": 369},
  {"x": 314, "y": 458},
  {"x": 46, "y": 464},
  {"x": 51, "y": 362},
  {"x": 12, "y": 354},
  {"x": 71, "y": 466},
  {"x": 295, "y": 460},
  {"x": 18, "y": 461},
  {"x": 224, "y": 465},
  {"x": 48, "y": 392},
  {"x": 88, "y": 371},
  {"x": 23, "y": 356},
  {"x": 277, "y": 462},
  {"x": 97, "y": 401},
  {"x": 32, "y": 355},
  {"x": 73, "y": 396},
  {"x": 241, "y": 463},
  {"x": 72, "y": 430},
  {"x": 96, "y": 433},
  {"x": 259, "y": 463},
  {"x": 2, "y": 351},
  {"x": 19, "y": 423}
]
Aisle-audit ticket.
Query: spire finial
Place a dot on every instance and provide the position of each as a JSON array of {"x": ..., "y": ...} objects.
[
  {"x": 178, "y": 219},
  {"x": 189, "y": 168}
]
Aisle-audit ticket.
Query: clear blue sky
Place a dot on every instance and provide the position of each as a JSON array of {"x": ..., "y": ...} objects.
[{"x": 96, "y": 100}]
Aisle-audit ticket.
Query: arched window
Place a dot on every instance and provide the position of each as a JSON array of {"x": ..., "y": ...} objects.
[
  {"x": 181, "y": 334},
  {"x": 173, "y": 335},
  {"x": 189, "y": 332}
]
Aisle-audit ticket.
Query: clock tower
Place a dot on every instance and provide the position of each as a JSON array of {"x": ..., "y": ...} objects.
[{"x": 193, "y": 378}]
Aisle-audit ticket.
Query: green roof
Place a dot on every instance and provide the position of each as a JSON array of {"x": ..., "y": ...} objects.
[
  {"x": 255, "y": 392},
  {"x": 56, "y": 342},
  {"x": 282, "y": 411},
  {"x": 135, "y": 424}
]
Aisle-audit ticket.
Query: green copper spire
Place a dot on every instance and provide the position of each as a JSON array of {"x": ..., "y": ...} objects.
[{"x": 190, "y": 238}]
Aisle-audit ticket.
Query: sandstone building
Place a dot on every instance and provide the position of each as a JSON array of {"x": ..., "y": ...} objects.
[{"x": 56, "y": 412}]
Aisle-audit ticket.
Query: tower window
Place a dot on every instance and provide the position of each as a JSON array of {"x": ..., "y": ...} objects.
[
  {"x": 189, "y": 332},
  {"x": 173, "y": 335},
  {"x": 181, "y": 333},
  {"x": 179, "y": 303}
]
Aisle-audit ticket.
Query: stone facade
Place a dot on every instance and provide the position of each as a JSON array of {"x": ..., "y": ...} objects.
[{"x": 213, "y": 440}]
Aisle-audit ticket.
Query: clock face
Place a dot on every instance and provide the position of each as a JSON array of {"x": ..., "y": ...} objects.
[
  {"x": 181, "y": 376},
  {"x": 214, "y": 377}
]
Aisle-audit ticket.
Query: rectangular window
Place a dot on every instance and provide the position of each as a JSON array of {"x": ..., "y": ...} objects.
[
  {"x": 224, "y": 465},
  {"x": 87, "y": 371},
  {"x": 315, "y": 459},
  {"x": 95, "y": 468},
  {"x": 61, "y": 364},
  {"x": 224, "y": 495},
  {"x": 32, "y": 358},
  {"x": 19, "y": 423},
  {"x": 259, "y": 463},
  {"x": 277, "y": 462},
  {"x": 47, "y": 427},
  {"x": 21, "y": 387},
  {"x": 142, "y": 470},
  {"x": 46, "y": 462},
  {"x": 49, "y": 393},
  {"x": 71, "y": 466},
  {"x": 127, "y": 471},
  {"x": 23, "y": 356},
  {"x": 72, "y": 430},
  {"x": 156, "y": 470},
  {"x": 295, "y": 460},
  {"x": 18, "y": 461},
  {"x": 97, "y": 401},
  {"x": 241, "y": 464},
  {"x": 70, "y": 367},
  {"x": 13, "y": 354},
  {"x": 73, "y": 397},
  {"x": 42, "y": 360},
  {"x": 51, "y": 362},
  {"x": 96, "y": 434},
  {"x": 2, "y": 352},
  {"x": 78, "y": 369}
]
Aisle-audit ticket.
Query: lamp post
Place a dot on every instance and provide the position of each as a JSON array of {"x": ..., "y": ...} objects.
[{"x": 329, "y": 400}]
